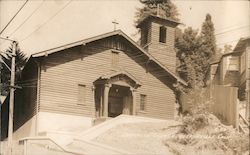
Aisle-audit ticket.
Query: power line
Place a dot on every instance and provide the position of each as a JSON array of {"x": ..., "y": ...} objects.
[
  {"x": 43, "y": 23},
  {"x": 32, "y": 81},
  {"x": 50, "y": 64},
  {"x": 232, "y": 26},
  {"x": 6, "y": 39},
  {"x": 238, "y": 28},
  {"x": 27, "y": 19},
  {"x": 14, "y": 17},
  {"x": 47, "y": 21},
  {"x": 228, "y": 42}
]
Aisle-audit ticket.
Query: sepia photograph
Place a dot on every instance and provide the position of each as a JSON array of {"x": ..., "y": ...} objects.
[{"x": 124, "y": 77}]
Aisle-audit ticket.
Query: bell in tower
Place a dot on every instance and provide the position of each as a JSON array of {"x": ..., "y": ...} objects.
[{"x": 158, "y": 38}]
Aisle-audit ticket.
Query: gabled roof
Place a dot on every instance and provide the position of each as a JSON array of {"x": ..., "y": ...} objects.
[
  {"x": 117, "y": 32},
  {"x": 121, "y": 72},
  {"x": 241, "y": 43},
  {"x": 153, "y": 17},
  {"x": 237, "y": 50}
]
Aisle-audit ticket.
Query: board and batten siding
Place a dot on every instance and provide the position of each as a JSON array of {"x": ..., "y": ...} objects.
[{"x": 63, "y": 71}]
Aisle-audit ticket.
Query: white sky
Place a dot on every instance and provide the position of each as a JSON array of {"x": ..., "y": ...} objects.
[{"x": 82, "y": 19}]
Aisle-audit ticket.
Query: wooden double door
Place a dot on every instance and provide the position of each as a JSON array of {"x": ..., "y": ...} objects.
[{"x": 115, "y": 106}]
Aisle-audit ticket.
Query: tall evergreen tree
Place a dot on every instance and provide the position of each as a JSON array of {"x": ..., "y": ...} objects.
[
  {"x": 21, "y": 59},
  {"x": 208, "y": 48},
  {"x": 208, "y": 37},
  {"x": 188, "y": 45},
  {"x": 166, "y": 9},
  {"x": 195, "y": 52}
]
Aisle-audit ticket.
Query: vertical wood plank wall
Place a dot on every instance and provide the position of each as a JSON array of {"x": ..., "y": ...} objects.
[{"x": 223, "y": 102}]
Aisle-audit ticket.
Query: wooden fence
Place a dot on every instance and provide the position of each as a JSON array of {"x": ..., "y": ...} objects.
[{"x": 221, "y": 100}]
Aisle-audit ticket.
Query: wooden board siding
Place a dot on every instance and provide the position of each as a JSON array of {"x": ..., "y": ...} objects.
[
  {"x": 164, "y": 52},
  {"x": 146, "y": 35},
  {"x": 63, "y": 71}
]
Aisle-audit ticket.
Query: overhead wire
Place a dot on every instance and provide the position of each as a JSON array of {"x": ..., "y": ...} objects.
[
  {"x": 42, "y": 24},
  {"x": 26, "y": 19},
  {"x": 14, "y": 17},
  {"x": 231, "y": 27},
  {"x": 47, "y": 21},
  {"x": 238, "y": 28},
  {"x": 138, "y": 55},
  {"x": 77, "y": 69},
  {"x": 51, "y": 64},
  {"x": 66, "y": 58},
  {"x": 50, "y": 19},
  {"x": 228, "y": 42}
]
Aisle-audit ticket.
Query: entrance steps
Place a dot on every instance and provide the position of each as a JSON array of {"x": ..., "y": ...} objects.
[
  {"x": 97, "y": 130},
  {"x": 84, "y": 139},
  {"x": 80, "y": 144}
]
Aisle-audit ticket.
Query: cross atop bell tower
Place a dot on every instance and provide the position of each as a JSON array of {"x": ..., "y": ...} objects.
[{"x": 158, "y": 38}]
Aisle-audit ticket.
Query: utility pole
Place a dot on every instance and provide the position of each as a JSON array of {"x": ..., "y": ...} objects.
[
  {"x": 1, "y": 86},
  {"x": 12, "y": 95}
]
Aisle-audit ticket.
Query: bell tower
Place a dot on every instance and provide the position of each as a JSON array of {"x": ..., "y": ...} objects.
[{"x": 158, "y": 38}]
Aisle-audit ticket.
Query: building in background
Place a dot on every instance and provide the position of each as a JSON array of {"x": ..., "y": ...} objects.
[{"x": 232, "y": 69}]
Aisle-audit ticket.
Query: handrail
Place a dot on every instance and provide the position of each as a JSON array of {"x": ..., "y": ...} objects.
[
  {"x": 241, "y": 128},
  {"x": 53, "y": 141},
  {"x": 244, "y": 120}
]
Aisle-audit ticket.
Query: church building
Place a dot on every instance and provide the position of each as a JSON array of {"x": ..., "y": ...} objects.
[{"x": 69, "y": 88}]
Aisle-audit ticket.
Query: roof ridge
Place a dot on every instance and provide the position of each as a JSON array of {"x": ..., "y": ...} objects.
[{"x": 112, "y": 33}]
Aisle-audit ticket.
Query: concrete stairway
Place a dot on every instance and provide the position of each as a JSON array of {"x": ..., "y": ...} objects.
[
  {"x": 97, "y": 130},
  {"x": 82, "y": 143}
]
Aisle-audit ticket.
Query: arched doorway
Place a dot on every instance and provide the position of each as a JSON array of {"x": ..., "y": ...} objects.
[
  {"x": 119, "y": 101},
  {"x": 115, "y": 94}
]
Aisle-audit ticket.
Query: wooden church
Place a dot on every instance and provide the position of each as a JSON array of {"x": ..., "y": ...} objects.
[{"x": 72, "y": 86}]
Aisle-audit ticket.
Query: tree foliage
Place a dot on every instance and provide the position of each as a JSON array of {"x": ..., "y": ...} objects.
[
  {"x": 21, "y": 59},
  {"x": 188, "y": 45},
  {"x": 208, "y": 37},
  {"x": 166, "y": 9},
  {"x": 195, "y": 52}
]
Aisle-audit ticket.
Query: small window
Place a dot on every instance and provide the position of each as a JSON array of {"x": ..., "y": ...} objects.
[
  {"x": 233, "y": 63},
  {"x": 81, "y": 94},
  {"x": 142, "y": 102},
  {"x": 243, "y": 63},
  {"x": 163, "y": 34},
  {"x": 145, "y": 37},
  {"x": 115, "y": 58}
]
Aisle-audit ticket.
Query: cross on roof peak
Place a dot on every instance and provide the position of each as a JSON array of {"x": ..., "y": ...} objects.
[{"x": 115, "y": 23}]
